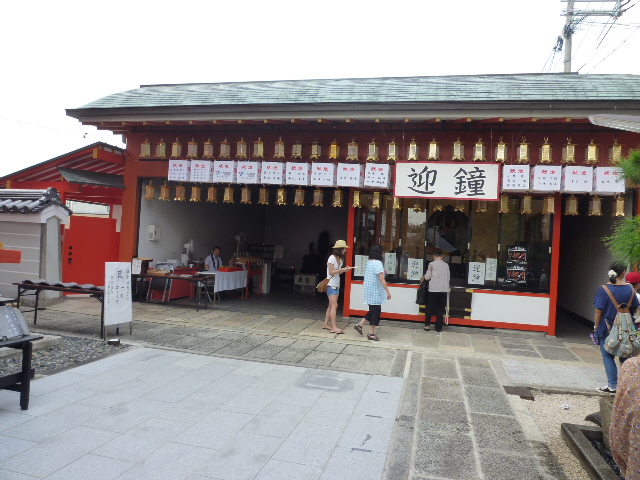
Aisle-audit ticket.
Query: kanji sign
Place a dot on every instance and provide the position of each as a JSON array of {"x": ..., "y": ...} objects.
[
  {"x": 376, "y": 175},
  {"x": 225, "y": 171},
  {"x": 323, "y": 174},
  {"x": 545, "y": 178},
  {"x": 456, "y": 180},
  {"x": 515, "y": 178},
  {"x": 476, "y": 273},
  {"x": 350, "y": 175},
  {"x": 249, "y": 172},
  {"x": 608, "y": 180},
  {"x": 202, "y": 171},
  {"x": 117, "y": 293},
  {"x": 179, "y": 170},
  {"x": 272, "y": 173},
  {"x": 298, "y": 173},
  {"x": 576, "y": 179},
  {"x": 415, "y": 269}
]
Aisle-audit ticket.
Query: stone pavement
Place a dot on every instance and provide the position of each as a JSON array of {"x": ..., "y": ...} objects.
[{"x": 446, "y": 417}]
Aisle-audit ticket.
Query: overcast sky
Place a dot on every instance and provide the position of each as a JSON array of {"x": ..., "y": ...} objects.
[{"x": 64, "y": 54}]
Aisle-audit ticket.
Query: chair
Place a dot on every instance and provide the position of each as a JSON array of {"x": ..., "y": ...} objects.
[{"x": 157, "y": 284}]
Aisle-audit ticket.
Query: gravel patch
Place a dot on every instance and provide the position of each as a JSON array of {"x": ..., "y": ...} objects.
[
  {"x": 548, "y": 413},
  {"x": 69, "y": 352}
]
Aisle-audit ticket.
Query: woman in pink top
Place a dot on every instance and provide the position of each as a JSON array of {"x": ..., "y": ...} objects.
[{"x": 438, "y": 277}]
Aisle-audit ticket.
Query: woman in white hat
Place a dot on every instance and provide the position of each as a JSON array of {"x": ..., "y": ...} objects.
[{"x": 334, "y": 269}]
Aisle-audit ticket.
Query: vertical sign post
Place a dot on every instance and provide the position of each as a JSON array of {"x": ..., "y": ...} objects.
[{"x": 117, "y": 295}]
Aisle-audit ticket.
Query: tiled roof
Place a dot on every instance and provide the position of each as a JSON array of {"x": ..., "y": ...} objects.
[
  {"x": 29, "y": 201},
  {"x": 85, "y": 177},
  {"x": 471, "y": 88}
]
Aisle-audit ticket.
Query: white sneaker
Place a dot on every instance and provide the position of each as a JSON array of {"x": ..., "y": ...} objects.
[{"x": 606, "y": 389}]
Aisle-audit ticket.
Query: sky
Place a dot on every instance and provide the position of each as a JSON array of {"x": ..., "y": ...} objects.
[{"x": 65, "y": 54}]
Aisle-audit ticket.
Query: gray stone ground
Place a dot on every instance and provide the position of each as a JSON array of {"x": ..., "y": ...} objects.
[{"x": 453, "y": 419}]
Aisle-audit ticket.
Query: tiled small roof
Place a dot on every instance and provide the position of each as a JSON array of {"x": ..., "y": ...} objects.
[
  {"x": 85, "y": 177},
  {"x": 29, "y": 201},
  {"x": 470, "y": 88}
]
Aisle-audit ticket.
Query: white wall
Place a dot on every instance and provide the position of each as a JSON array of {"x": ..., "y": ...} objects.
[
  {"x": 51, "y": 256},
  {"x": 20, "y": 236}
]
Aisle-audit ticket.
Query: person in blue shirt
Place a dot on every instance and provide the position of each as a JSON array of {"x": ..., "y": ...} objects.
[
  {"x": 605, "y": 315},
  {"x": 376, "y": 292}
]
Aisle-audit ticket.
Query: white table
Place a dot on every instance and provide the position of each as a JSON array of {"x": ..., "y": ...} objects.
[{"x": 228, "y": 280}]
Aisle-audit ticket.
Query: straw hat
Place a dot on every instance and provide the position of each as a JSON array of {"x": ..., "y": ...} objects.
[{"x": 341, "y": 244}]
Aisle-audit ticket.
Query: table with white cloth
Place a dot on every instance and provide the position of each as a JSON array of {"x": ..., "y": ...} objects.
[{"x": 229, "y": 280}]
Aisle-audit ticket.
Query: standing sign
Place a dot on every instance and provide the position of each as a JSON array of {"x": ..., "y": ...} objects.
[
  {"x": 457, "y": 180},
  {"x": 201, "y": 171},
  {"x": 249, "y": 172},
  {"x": 515, "y": 178},
  {"x": 476, "y": 273},
  {"x": 179, "y": 170},
  {"x": 415, "y": 269},
  {"x": 376, "y": 175},
  {"x": 272, "y": 173},
  {"x": 117, "y": 293},
  {"x": 323, "y": 174},
  {"x": 225, "y": 171}
]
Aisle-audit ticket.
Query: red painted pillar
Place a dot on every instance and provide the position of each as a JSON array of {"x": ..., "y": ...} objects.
[{"x": 555, "y": 265}]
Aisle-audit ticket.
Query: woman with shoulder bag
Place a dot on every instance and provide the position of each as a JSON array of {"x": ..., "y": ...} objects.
[
  {"x": 605, "y": 314},
  {"x": 334, "y": 269}
]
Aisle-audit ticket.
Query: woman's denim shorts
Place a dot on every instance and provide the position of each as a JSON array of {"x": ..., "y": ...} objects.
[{"x": 333, "y": 291}]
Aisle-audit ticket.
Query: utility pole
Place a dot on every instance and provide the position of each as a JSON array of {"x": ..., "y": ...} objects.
[{"x": 571, "y": 24}]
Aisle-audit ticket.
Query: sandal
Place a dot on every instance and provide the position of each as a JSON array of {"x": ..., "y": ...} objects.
[
  {"x": 337, "y": 331},
  {"x": 326, "y": 328},
  {"x": 426, "y": 329},
  {"x": 358, "y": 328},
  {"x": 373, "y": 337}
]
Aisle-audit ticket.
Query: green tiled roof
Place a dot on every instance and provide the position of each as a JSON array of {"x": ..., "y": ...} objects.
[{"x": 471, "y": 88}]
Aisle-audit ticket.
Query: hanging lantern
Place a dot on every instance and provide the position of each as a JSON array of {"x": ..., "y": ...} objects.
[
  {"x": 298, "y": 199},
  {"x": 176, "y": 149},
  {"x": 356, "y": 199},
  {"x": 373, "y": 151},
  {"x": 196, "y": 194},
  {"x": 545, "y": 152},
  {"x": 337, "y": 198},
  {"x": 392, "y": 151},
  {"x": 377, "y": 197},
  {"x": 418, "y": 206},
  {"x": 161, "y": 149},
  {"x": 459, "y": 206},
  {"x": 278, "y": 150},
  {"x": 618, "y": 206},
  {"x": 149, "y": 191},
  {"x": 207, "y": 154},
  {"x": 165, "y": 192},
  {"x": 548, "y": 206},
  {"x": 241, "y": 150},
  {"x": 458, "y": 150},
  {"x": 526, "y": 205},
  {"x": 281, "y": 197},
  {"x": 481, "y": 206},
  {"x": 504, "y": 204},
  {"x": 228, "y": 195},
  {"x": 334, "y": 151},
  {"x": 318, "y": 198},
  {"x": 245, "y": 195},
  {"x": 258, "y": 149},
  {"x": 352, "y": 151},
  {"x": 593, "y": 153},
  {"x": 296, "y": 150},
  {"x": 263, "y": 196},
  {"x": 397, "y": 203},
  {"x": 569, "y": 153},
  {"x": 501, "y": 151},
  {"x": 192, "y": 149},
  {"x": 615, "y": 152},
  {"x": 523, "y": 151},
  {"x": 412, "y": 153},
  {"x": 434, "y": 150},
  {"x": 571, "y": 206},
  {"x": 316, "y": 151},
  {"x": 181, "y": 193},
  {"x": 225, "y": 150},
  {"x": 145, "y": 149},
  {"x": 212, "y": 195},
  {"x": 479, "y": 151},
  {"x": 595, "y": 206}
]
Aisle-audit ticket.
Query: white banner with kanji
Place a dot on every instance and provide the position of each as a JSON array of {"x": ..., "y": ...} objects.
[
  {"x": 515, "y": 178},
  {"x": 298, "y": 173},
  {"x": 323, "y": 174},
  {"x": 350, "y": 175},
  {"x": 225, "y": 171},
  {"x": 179, "y": 170},
  {"x": 455, "y": 180},
  {"x": 249, "y": 172},
  {"x": 545, "y": 178},
  {"x": 376, "y": 175},
  {"x": 202, "y": 171},
  {"x": 608, "y": 180},
  {"x": 577, "y": 179},
  {"x": 272, "y": 173}
]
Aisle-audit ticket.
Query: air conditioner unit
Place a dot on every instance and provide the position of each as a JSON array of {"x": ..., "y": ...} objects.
[{"x": 153, "y": 232}]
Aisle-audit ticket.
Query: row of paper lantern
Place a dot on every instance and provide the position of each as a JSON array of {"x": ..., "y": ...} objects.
[
  {"x": 500, "y": 154},
  {"x": 526, "y": 202}
]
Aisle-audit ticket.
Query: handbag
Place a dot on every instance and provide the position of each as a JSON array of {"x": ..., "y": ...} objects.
[
  {"x": 623, "y": 339},
  {"x": 422, "y": 295},
  {"x": 323, "y": 285}
]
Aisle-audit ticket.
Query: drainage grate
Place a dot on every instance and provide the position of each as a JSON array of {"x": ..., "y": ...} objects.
[{"x": 522, "y": 392}]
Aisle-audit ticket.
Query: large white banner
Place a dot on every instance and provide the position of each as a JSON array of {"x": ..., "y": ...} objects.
[
  {"x": 456, "y": 180},
  {"x": 117, "y": 293}
]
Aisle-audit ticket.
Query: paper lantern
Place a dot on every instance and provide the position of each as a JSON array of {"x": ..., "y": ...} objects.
[
  {"x": 523, "y": 151},
  {"x": 356, "y": 199},
  {"x": 618, "y": 207},
  {"x": 458, "y": 150},
  {"x": 595, "y": 206},
  {"x": 615, "y": 152},
  {"x": 316, "y": 151},
  {"x": 571, "y": 206},
  {"x": 228, "y": 195},
  {"x": 548, "y": 206},
  {"x": 392, "y": 151},
  {"x": 501, "y": 151},
  {"x": 296, "y": 150},
  {"x": 376, "y": 200},
  {"x": 281, "y": 197},
  {"x": 298, "y": 199},
  {"x": 546, "y": 152},
  {"x": 212, "y": 195},
  {"x": 165, "y": 192},
  {"x": 181, "y": 193},
  {"x": 526, "y": 205},
  {"x": 176, "y": 149},
  {"x": 192, "y": 149},
  {"x": 334, "y": 151},
  {"x": 145, "y": 149},
  {"x": 263, "y": 196},
  {"x": 352, "y": 151},
  {"x": 196, "y": 194},
  {"x": 278, "y": 149},
  {"x": 592, "y": 156},
  {"x": 433, "y": 152},
  {"x": 504, "y": 204},
  {"x": 208, "y": 150},
  {"x": 373, "y": 151},
  {"x": 245, "y": 195},
  {"x": 337, "y": 198},
  {"x": 397, "y": 203},
  {"x": 412, "y": 152},
  {"x": 569, "y": 153},
  {"x": 479, "y": 151},
  {"x": 481, "y": 206},
  {"x": 318, "y": 198},
  {"x": 241, "y": 150},
  {"x": 149, "y": 191},
  {"x": 225, "y": 150},
  {"x": 258, "y": 149},
  {"x": 161, "y": 149}
]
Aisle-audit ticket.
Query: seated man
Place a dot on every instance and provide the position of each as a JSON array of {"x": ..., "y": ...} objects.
[{"x": 213, "y": 262}]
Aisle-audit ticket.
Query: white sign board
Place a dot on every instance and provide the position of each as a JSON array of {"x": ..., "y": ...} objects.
[
  {"x": 323, "y": 174},
  {"x": 202, "y": 171},
  {"x": 608, "y": 181},
  {"x": 272, "y": 173},
  {"x": 225, "y": 171},
  {"x": 491, "y": 269},
  {"x": 278, "y": 251},
  {"x": 136, "y": 266},
  {"x": 117, "y": 293},
  {"x": 546, "y": 178},
  {"x": 298, "y": 173},
  {"x": 576, "y": 179},
  {"x": 415, "y": 269},
  {"x": 361, "y": 263},
  {"x": 305, "y": 280},
  {"x": 376, "y": 175},
  {"x": 350, "y": 175},
  {"x": 179, "y": 170},
  {"x": 515, "y": 178},
  {"x": 390, "y": 263},
  {"x": 249, "y": 172},
  {"x": 456, "y": 180},
  {"x": 476, "y": 273}
]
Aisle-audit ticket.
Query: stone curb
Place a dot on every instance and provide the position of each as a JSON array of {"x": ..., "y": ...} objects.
[{"x": 47, "y": 341}]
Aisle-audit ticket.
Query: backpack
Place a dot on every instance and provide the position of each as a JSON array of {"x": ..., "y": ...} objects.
[{"x": 623, "y": 339}]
